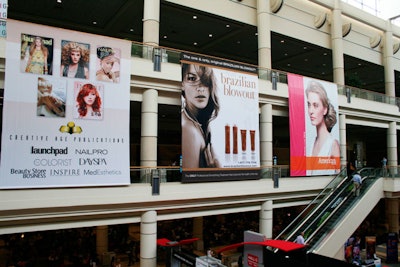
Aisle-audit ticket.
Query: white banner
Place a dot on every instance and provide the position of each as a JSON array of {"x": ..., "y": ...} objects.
[{"x": 66, "y": 108}]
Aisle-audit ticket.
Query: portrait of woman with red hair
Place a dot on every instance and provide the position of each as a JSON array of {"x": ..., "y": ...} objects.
[{"x": 88, "y": 102}]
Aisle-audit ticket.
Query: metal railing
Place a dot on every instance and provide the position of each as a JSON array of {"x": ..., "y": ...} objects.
[{"x": 274, "y": 76}]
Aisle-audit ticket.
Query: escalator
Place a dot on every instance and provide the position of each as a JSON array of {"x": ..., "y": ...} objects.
[{"x": 327, "y": 212}]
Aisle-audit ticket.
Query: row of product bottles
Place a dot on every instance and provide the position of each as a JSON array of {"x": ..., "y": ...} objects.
[{"x": 234, "y": 133}]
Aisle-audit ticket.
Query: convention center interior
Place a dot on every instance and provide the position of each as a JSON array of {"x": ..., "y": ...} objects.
[{"x": 199, "y": 133}]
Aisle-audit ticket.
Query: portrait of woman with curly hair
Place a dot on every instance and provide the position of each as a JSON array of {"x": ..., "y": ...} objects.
[{"x": 75, "y": 60}]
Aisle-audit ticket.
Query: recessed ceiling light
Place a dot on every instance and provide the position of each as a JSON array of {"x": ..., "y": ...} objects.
[
  {"x": 256, "y": 34},
  {"x": 210, "y": 35},
  {"x": 94, "y": 22},
  {"x": 195, "y": 43},
  {"x": 59, "y": 1},
  {"x": 282, "y": 41},
  {"x": 325, "y": 54},
  {"x": 288, "y": 65},
  {"x": 305, "y": 47},
  {"x": 131, "y": 30},
  {"x": 165, "y": 37},
  {"x": 194, "y": 17},
  {"x": 227, "y": 25}
]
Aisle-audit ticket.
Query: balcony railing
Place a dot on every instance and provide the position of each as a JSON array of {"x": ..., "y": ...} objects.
[{"x": 274, "y": 76}]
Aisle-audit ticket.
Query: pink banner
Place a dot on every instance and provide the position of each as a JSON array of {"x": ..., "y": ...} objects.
[{"x": 314, "y": 130}]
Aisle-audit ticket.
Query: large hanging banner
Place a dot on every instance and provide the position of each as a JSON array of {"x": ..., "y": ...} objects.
[
  {"x": 220, "y": 129},
  {"x": 66, "y": 109},
  {"x": 314, "y": 127}
]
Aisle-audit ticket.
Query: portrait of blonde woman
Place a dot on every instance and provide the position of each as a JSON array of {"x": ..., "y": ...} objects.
[{"x": 323, "y": 117}]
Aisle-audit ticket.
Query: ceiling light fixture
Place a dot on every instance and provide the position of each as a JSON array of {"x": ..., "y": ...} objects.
[
  {"x": 194, "y": 17},
  {"x": 94, "y": 22},
  {"x": 227, "y": 25}
]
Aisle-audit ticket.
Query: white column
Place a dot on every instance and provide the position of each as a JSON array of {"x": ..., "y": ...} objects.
[
  {"x": 101, "y": 240},
  {"x": 198, "y": 233},
  {"x": 392, "y": 145},
  {"x": 392, "y": 210},
  {"x": 264, "y": 34},
  {"x": 151, "y": 26},
  {"x": 343, "y": 141},
  {"x": 266, "y": 219},
  {"x": 148, "y": 239},
  {"x": 337, "y": 45},
  {"x": 266, "y": 149},
  {"x": 151, "y": 22},
  {"x": 148, "y": 151},
  {"x": 388, "y": 61}
]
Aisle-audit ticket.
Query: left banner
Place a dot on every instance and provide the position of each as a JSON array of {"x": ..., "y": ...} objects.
[{"x": 66, "y": 109}]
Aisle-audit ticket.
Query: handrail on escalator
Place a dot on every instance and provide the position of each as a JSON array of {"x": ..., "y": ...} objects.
[
  {"x": 369, "y": 174},
  {"x": 324, "y": 194},
  {"x": 329, "y": 216},
  {"x": 325, "y": 213}
]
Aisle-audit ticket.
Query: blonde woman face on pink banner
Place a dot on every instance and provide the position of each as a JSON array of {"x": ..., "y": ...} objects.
[{"x": 316, "y": 109}]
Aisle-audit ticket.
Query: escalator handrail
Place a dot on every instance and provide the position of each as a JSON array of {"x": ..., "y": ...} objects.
[
  {"x": 345, "y": 201},
  {"x": 329, "y": 186},
  {"x": 325, "y": 207}
]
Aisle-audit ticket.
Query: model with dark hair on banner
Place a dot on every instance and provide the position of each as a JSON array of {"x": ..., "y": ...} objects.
[{"x": 199, "y": 107}]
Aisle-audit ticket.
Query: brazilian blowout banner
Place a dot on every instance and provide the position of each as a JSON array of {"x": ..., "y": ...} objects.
[{"x": 219, "y": 115}]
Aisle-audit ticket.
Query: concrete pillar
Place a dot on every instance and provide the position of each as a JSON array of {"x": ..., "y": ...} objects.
[
  {"x": 148, "y": 239},
  {"x": 266, "y": 148},
  {"x": 392, "y": 210},
  {"x": 151, "y": 26},
  {"x": 388, "y": 61},
  {"x": 264, "y": 34},
  {"x": 266, "y": 219},
  {"x": 148, "y": 151},
  {"x": 101, "y": 240},
  {"x": 337, "y": 45},
  {"x": 198, "y": 233},
  {"x": 343, "y": 141},
  {"x": 392, "y": 146}
]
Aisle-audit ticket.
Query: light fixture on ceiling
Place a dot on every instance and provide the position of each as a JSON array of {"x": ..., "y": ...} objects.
[
  {"x": 346, "y": 28},
  {"x": 276, "y": 5},
  {"x": 375, "y": 40},
  {"x": 320, "y": 20},
  {"x": 194, "y": 17},
  {"x": 396, "y": 47},
  {"x": 94, "y": 22}
]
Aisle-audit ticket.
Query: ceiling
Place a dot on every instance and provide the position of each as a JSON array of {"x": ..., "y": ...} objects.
[{"x": 207, "y": 34}]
